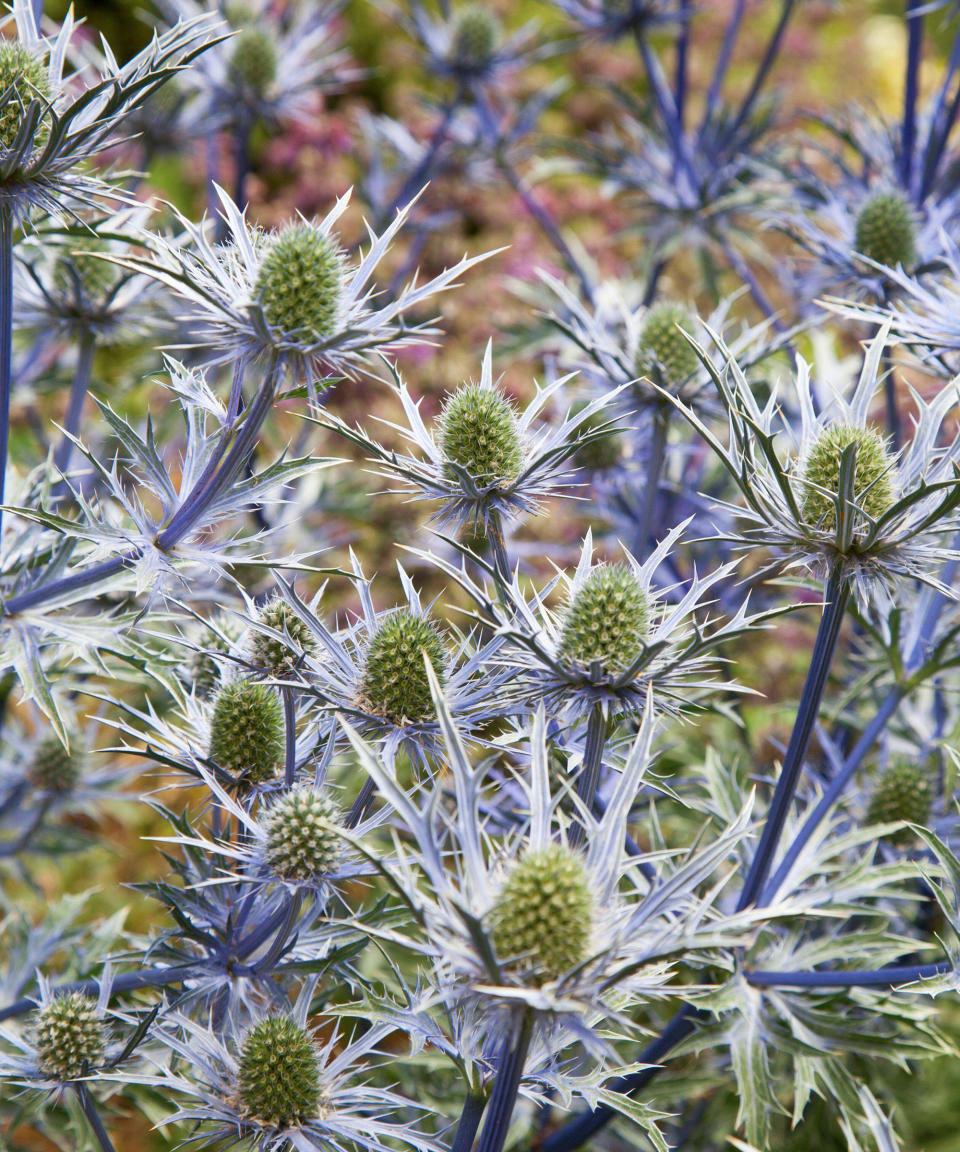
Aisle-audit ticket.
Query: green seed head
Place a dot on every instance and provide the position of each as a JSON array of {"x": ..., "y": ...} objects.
[
  {"x": 476, "y": 35},
  {"x": 664, "y": 348},
  {"x": 273, "y": 656},
  {"x": 25, "y": 76},
  {"x": 543, "y": 917},
  {"x": 69, "y": 1036},
  {"x": 246, "y": 734},
  {"x": 479, "y": 432},
  {"x": 300, "y": 284},
  {"x": 204, "y": 669},
  {"x": 601, "y": 454},
  {"x": 606, "y": 620},
  {"x": 395, "y": 683},
  {"x": 279, "y": 1079},
  {"x": 253, "y": 62},
  {"x": 873, "y": 484},
  {"x": 54, "y": 768},
  {"x": 81, "y": 274},
  {"x": 903, "y": 792},
  {"x": 303, "y": 835},
  {"x": 886, "y": 231}
]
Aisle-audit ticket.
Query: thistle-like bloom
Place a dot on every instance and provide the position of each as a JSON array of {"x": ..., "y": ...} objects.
[
  {"x": 65, "y": 285},
  {"x": 291, "y": 296},
  {"x": 524, "y": 919},
  {"x": 272, "y": 1086},
  {"x": 484, "y": 462},
  {"x": 841, "y": 497},
  {"x": 52, "y": 125},
  {"x": 617, "y": 637}
]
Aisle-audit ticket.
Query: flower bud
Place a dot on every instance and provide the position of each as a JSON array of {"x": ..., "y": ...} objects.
[
  {"x": 479, "y": 432},
  {"x": 26, "y": 76},
  {"x": 664, "y": 349},
  {"x": 543, "y": 917},
  {"x": 903, "y": 792},
  {"x": 247, "y": 733},
  {"x": 303, "y": 835},
  {"x": 300, "y": 284},
  {"x": 253, "y": 61},
  {"x": 204, "y": 669},
  {"x": 886, "y": 232},
  {"x": 603, "y": 453},
  {"x": 395, "y": 683},
  {"x": 279, "y": 1078},
  {"x": 873, "y": 485},
  {"x": 82, "y": 276},
  {"x": 273, "y": 656},
  {"x": 607, "y": 620},
  {"x": 69, "y": 1036},
  {"x": 53, "y": 767},
  {"x": 476, "y": 34}
]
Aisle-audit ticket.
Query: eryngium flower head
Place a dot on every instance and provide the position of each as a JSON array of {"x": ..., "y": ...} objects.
[
  {"x": 24, "y": 77},
  {"x": 246, "y": 732},
  {"x": 903, "y": 792},
  {"x": 253, "y": 60},
  {"x": 289, "y": 296},
  {"x": 873, "y": 478},
  {"x": 300, "y": 284},
  {"x": 543, "y": 916},
  {"x": 395, "y": 683},
  {"x": 664, "y": 350},
  {"x": 606, "y": 621},
  {"x": 302, "y": 834},
  {"x": 280, "y": 657},
  {"x": 69, "y": 1036},
  {"x": 476, "y": 35},
  {"x": 479, "y": 433},
  {"x": 54, "y": 767},
  {"x": 205, "y": 668},
  {"x": 279, "y": 1073},
  {"x": 885, "y": 231}
]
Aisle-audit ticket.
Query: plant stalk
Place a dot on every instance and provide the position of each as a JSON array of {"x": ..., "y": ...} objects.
[
  {"x": 88, "y": 1104},
  {"x": 507, "y": 1084},
  {"x": 78, "y": 394},
  {"x": 6, "y": 342},
  {"x": 289, "y": 697},
  {"x": 589, "y": 778}
]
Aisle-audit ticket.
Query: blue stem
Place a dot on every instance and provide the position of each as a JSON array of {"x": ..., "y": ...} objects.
[
  {"x": 6, "y": 342},
  {"x": 589, "y": 777},
  {"x": 78, "y": 394},
  {"x": 290, "y": 732},
  {"x": 126, "y": 982},
  {"x": 863, "y": 978},
  {"x": 507, "y": 1084},
  {"x": 911, "y": 85},
  {"x": 89, "y": 1106}
]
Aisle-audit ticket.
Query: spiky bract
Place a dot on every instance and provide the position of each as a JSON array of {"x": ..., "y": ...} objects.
[
  {"x": 55, "y": 768},
  {"x": 271, "y": 655},
  {"x": 606, "y": 621},
  {"x": 69, "y": 1036},
  {"x": 204, "y": 668},
  {"x": 903, "y": 792},
  {"x": 300, "y": 284},
  {"x": 663, "y": 348},
  {"x": 395, "y": 683},
  {"x": 25, "y": 76},
  {"x": 873, "y": 483},
  {"x": 303, "y": 838},
  {"x": 602, "y": 453},
  {"x": 476, "y": 34},
  {"x": 253, "y": 62},
  {"x": 246, "y": 733},
  {"x": 279, "y": 1077},
  {"x": 479, "y": 432},
  {"x": 543, "y": 917},
  {"x": 886, "y": 231}
]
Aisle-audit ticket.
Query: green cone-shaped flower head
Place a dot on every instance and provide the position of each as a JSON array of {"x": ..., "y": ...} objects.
[
  {"x": 395, "y": 683},
  {"x": 886, "y": 231},
  {"x": 479, "y": 432},
  {"x": 873, "y": 482},
  {"x": 81, "y": 273},
  {"x": 476, "y": 35},
  {"x": 25, "y": 75},
  {"x": 664, "y": 348},
  {"x": 300, "y": 284},
  {"x": 55, "y": 768},
  {"x": 279, "y": 1080},
  {"x": 204, "y": 669},
  {"x": 603, "y": 453},
  {"x": 607, "y": 620},
  {"x": 903, "y": 792},
  {"x": 253, "y": 61},
  {"x": 69, "y": 1036},
  {"x": 303, "y": 834},
  {"x": 543, "y": 917},
  {"x": 273, "y": 656},
  {"x": 246, "y": 733}
]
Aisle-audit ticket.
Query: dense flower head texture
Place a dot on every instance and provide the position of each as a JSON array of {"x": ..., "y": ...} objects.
[
  {"x": 246, "y": 730},
  {"x": 902, "y": 792},
  {"x": 69, "y": 1036},
  {"x": 300, "y": 284},
  {"x": 664, "y": 350},
  {"x": 873, "y": 480},
  {"x": 55, "y": 767},
  {"x": 302, "y": 834},
  {"x": 280, "y": 657},
  {"x": 885, "y": 231},
  {"x": 479, "y": 433},
  {"x": 253, "y": 60},
  {"x": 476, "y": 35},
  {"x": 279, "y": 1075},
  {"x": 24, "y": 79},
  {"x": 395, "y": 683},
  {"x": 606, "y": 620}
]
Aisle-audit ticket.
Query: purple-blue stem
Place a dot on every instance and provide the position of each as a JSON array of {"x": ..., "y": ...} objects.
[
  {"x": 766, "y": 63},
  {"x": 506, "y": 1086},
  {"x": 890, "y": 977},
  {"x": 6, "y": 342},
  {"x": 290, "y": 734},
  {"x": 589, "y": 777},
  {"x": 78, "y": 394},
  {"x": 89, "y": 1106},
  {"x": 908, "y": 132},
  {"x": 724, "y": 57},
  {"x": 941, "y": 122}
]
